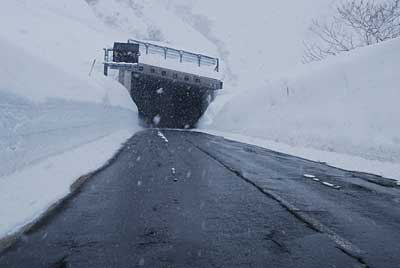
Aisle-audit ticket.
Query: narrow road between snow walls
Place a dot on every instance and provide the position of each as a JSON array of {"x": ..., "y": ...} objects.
[{"x": 186, "y": 199}]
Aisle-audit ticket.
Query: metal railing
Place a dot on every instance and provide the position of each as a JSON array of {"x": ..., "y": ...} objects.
[{"x": 172, "y": 53}]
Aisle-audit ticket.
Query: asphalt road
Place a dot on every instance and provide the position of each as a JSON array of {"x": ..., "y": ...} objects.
[{"x": 185, "y": 199}]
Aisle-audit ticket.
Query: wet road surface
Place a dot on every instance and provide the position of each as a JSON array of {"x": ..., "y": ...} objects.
[{"x": 185, "y": 199}]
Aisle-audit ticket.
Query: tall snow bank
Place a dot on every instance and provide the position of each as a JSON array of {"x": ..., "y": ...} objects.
[
  {"x": 49, "y": 103},
  {"x": 347, "y": 104},
  {"x": 56, "y": 122}
]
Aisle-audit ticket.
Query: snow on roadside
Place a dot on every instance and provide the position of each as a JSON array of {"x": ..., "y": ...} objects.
[
  {"x": 57, "y": 122},
  {"x": 27, "y": 194},
  {"x": 49, "y": 103},
  {"x": 31, "y": 132},
  {"x": 343, "y": 161},
  {"x": 345, "y": 106}
]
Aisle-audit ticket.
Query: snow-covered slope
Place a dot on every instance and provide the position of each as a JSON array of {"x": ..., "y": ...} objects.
[
  {"x": 48, "y": 48},
  {"x": 149, "y": 20},
  {"x": 347, "y": 105},
  {"x": 255, "y": 39}
]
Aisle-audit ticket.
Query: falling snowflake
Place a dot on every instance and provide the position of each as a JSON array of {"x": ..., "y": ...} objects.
[{"x": 157, "y": 119}]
